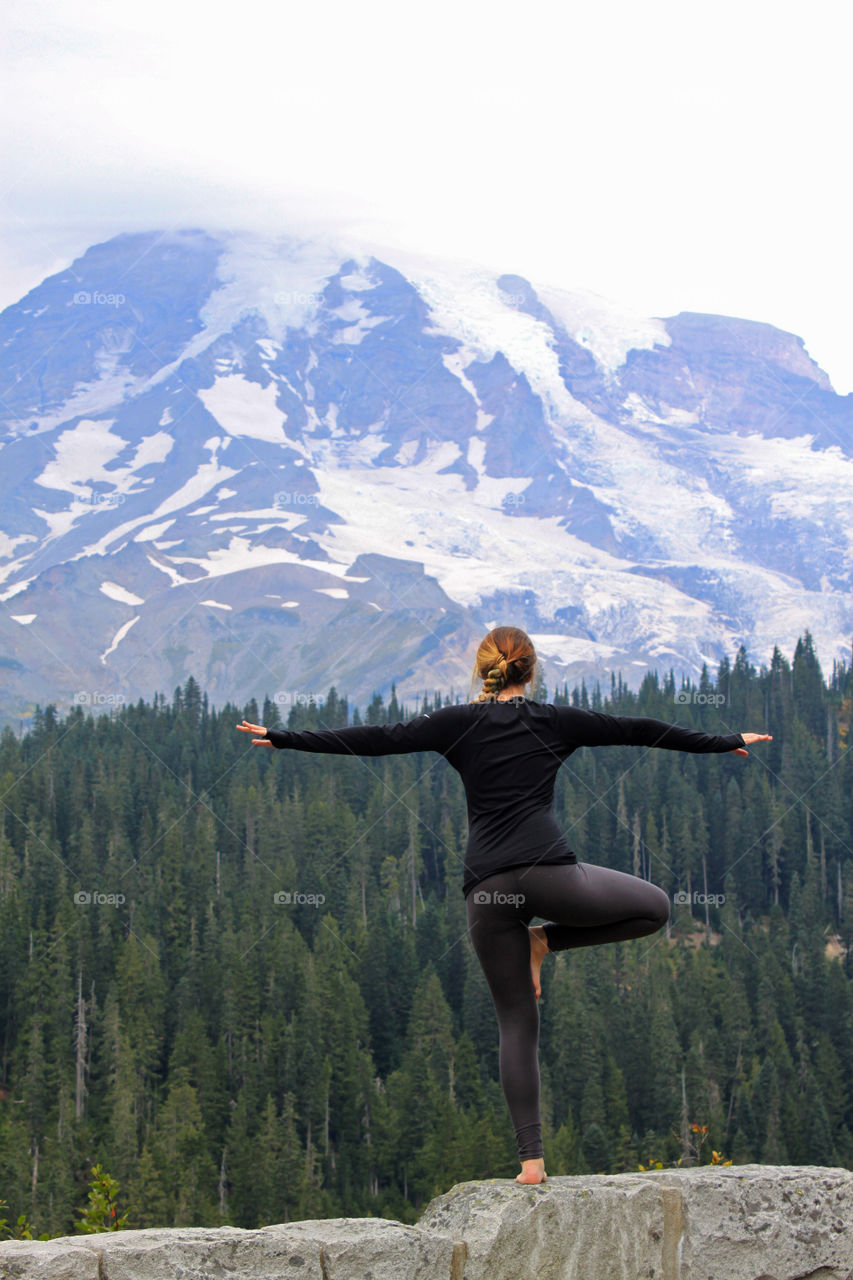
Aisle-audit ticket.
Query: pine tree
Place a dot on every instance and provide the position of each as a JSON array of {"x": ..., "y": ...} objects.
[{"x": 183, "y": 1160}]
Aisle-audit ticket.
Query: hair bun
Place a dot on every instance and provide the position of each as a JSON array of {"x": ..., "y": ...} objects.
[{"x": 494, "y": 680}]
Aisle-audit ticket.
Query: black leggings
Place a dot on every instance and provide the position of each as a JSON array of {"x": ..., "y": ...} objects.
[{"x": 584, "y": 905}]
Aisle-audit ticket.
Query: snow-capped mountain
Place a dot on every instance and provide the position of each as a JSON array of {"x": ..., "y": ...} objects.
[{"x": 282, "y": 465}]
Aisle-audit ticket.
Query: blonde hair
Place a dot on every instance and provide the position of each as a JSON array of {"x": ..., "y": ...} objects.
[{"x": 504, "y": 657}]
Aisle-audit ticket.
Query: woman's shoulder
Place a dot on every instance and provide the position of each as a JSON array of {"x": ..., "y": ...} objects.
[
  {"x": 476, "y": 707},
  {"x": 449, "y": 711}
]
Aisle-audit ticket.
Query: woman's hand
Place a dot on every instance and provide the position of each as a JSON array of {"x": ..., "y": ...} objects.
[
  {"x": 248, "y": 727},
  {"x": 751, "y": 737}
]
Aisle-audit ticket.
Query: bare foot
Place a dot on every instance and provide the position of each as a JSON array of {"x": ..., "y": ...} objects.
[
  {"x": 538, "y": 949},
  {"x": 532, "y": 1171}
]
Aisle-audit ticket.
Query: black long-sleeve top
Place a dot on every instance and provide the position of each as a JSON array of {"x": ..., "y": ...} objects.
[{"x": 507, "y": 754}]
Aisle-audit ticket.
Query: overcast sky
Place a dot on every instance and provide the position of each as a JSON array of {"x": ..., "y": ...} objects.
[{"x": 669, "y": 155}]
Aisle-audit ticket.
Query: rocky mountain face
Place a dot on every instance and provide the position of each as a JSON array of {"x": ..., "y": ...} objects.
[{"x": 283, "y": 465}]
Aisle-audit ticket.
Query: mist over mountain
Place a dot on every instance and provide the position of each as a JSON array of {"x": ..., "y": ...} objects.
[{"x": 281, "y": 465}]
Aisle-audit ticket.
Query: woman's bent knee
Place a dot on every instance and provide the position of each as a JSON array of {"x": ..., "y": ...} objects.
[{"x": 661, "y": 910}]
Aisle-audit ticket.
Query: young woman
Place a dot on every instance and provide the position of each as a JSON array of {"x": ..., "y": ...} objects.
[{"x": 507, "y": 749}]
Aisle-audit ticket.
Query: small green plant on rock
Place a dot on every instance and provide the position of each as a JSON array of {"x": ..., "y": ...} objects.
[{"x": 100, "y": 1212}]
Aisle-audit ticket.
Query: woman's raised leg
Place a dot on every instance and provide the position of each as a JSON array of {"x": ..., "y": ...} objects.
[{"x": 585, "y": 905}]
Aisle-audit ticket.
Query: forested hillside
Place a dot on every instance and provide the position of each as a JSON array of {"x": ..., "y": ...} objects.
[{"x": 240, "y": 979}]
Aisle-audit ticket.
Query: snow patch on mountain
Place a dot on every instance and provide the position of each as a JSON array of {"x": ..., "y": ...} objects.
[
  {"x": 462, "y": 539},
  {"x": 455, "y": 363},
  {"x": 176, "y": 579},
  {"x": 244, "y": 408},
  {"x": 8, "y": 544},
  {"x": 565, "y": 650},
  {"x": 116, "y": 592},
  {"x": 278, "y": 515},
  {"x": 206, "y": 476},
  {"x": 361, "y": 322},
  {"x": 469, "y": 307},
  {"x": 800, "y": 481},
  {"x": 118, "y": 637},
  {"x": 634, "y": 478},
  {"x": 153, "y": 531},
  {"x": 17, "y": 588},
  {"x": 642, "y": 413},
  {"x": 82, "y": 452},
  {"x": 86, "y": 398},
  {"x": 607, "y": 330},
  {"x": 59, "y": 522},
  {"x": 357, "y": 281},
  {"x": 281, "y": 281},
  {"x": 463, "y": 291},
  {"x": 240, "y": 555}
]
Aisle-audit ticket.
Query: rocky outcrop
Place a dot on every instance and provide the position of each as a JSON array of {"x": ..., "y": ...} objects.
[
  {"x": 321, "y": 1249},
  {"x": 746, "y": 1222}
]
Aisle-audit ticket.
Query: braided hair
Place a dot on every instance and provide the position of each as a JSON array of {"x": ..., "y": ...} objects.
[{"x": 504, "y": 657}]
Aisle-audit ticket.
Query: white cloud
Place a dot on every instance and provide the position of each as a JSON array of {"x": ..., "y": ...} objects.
[{"x": 674, "y": 157}]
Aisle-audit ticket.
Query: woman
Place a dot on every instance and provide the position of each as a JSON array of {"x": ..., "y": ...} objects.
[{"x": 507, "y": 749}]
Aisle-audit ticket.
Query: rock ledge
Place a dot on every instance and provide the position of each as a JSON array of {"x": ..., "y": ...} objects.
[{"x": 741, "y": 1222}]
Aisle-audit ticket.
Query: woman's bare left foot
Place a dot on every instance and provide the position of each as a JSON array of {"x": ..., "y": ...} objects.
[
  {"x": 538, "y": 949},
  {"x": 532, "y": 1171}
]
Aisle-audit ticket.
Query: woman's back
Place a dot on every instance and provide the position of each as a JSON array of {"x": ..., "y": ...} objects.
[{"x": 507, "y": 753}]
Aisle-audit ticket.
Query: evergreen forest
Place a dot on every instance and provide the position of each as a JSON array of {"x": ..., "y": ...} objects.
[{"x": 239, "y": 980}]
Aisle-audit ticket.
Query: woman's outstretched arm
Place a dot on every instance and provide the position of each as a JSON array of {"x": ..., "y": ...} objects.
[
  {"x": 597, "y": 729},
  {"x": 432, "y": 731}
]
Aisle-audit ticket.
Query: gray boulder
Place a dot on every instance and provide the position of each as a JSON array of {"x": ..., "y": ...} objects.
[
  {"x": 743, "y": 1222},
  {"x": 739, "y": 1222},
  {"x": 319, "y": 1249}
]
